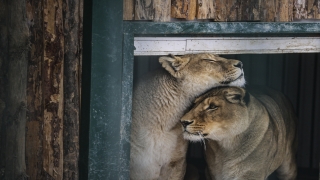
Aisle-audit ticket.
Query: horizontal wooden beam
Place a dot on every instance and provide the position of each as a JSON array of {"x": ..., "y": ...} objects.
[{"x": 145, "y": 46}]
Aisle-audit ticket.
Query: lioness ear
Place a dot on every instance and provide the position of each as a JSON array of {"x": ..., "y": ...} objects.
[
  {"x": 235, "y": 95},
  {"x": 173, "y": 64}
]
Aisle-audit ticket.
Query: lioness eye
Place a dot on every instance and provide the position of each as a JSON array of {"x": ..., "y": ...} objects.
[
  {"x": 212, "y": 107},
  {"x": 211, "y": 60}
]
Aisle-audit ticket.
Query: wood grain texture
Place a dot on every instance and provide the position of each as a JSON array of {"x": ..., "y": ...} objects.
[
  {"x": 206, "y": 9},
  {"x": 267, "y": 11},
  {"x": 144, "y": 10},
  {"x": 162, "y": 10},
  {"x": 179, "y": 9},
  {"x": 34, "y": 135},
  {"x": 155, "y": 10},
  {"x": 290, "y": 10},
  {"x": 249, "y": 10},
  {"x": 282, "y": 10},
  {"x": 53, "y": 89},
  {"x": 128, "y": 9},
  {"x": 227, "y": 10},
  {"x": 185, "y": 9},
  {"x": 313, "y": 9},
  {"x": 300, "y": 9},
  {"x": 71, "y": 118}
]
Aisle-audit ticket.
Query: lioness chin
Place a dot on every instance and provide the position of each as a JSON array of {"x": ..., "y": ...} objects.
[
  {"x": 158, "y": 149},
  {"x": 248, "y": 135}
]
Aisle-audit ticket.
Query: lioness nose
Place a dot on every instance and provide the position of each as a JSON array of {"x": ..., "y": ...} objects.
[
  {"x": 238, "y": 65},
  {"x": 185, "y": 123}
]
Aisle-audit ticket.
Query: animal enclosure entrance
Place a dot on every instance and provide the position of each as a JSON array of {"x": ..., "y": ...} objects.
[{"x": 290, "y": 65}]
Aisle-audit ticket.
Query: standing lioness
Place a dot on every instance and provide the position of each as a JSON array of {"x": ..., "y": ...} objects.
[
  {"x": 158, "y": 149},
  {"x": 248, "y": 135}
]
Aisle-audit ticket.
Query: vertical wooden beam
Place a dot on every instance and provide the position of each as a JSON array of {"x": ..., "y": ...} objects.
[
  {"x": 53, "y": 89},
  {"x": 15, "y": 65},
  {"x": 144, "y": 10},
  {"x": 300, "y": 9},
  {"x": 313, "y": 9},
  {"x": 249, "y": 10},
  {"x": 128, "y": 9},
  {"x": 71, "y": 91},
  {"x": 227, "y": 10},
  {"x": 290, "y": 10},
  {"x": 183, "y": 9},
  {"x": 282, "y": 10},
  {"x": 156, "y": 10},
  {"x": 179, "y": 9},
  {"x": 267, "y": 11},
  {"x": 162, "y": 10},
  {"x": 34, "y": 134},
  {"x": 206, "y": 9}
]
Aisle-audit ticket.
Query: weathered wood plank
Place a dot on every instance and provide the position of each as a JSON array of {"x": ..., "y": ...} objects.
[
  {"x": 282, "y": 11},
  {"x": 71, "y": 18},
  {"x": 53, "y": 89},
  {"x": 185, "y": 9},
  {"x": 276, "y": 11},
  {"x": 179, "y": 9},
  {"x": 34, "y": 124},
  {"x": 300, "y": 9},
  {"x": 313, "y": 9},
  {"x": 267, "y": 11},
  {"x": 249, "y": 10},
  {"x": 156, "y": 10},
  {"x": 15, "y": 65},
  {"x": 144, "y": 10},
  {"x": 206, "y": 9},
  {"x": 128, "y": 9},
  {"x": 162, "y": 10},
  {"x": 290, "y": 10},
  {"x": 227, "y": 10}
]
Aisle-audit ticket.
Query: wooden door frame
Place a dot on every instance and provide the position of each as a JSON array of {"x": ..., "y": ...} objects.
[{"x": 107, "y": 77}]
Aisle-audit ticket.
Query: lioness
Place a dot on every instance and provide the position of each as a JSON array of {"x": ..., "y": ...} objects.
[
  {"x": 158, "y": 149},
  {"x": 249, "y": 135}
]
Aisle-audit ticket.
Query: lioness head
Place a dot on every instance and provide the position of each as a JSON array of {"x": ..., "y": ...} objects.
[
  {"x": 204, "y": 70},
  {"x": 218, "y": 114}
]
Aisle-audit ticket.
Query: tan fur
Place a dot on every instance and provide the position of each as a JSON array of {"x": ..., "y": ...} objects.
[
  {"x": 248, "y": 136},
  {"x": 158, "y": 149}
]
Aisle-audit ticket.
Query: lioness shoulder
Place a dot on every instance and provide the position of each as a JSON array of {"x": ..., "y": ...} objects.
[{"x": 249, "y": 134}]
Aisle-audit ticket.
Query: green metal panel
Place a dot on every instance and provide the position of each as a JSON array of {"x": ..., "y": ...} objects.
[
  {"x": 107, "y": 148},
  {"x": 250, "y": 28}
]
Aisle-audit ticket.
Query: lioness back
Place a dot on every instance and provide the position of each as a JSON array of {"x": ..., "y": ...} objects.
[
  {"x": 250, "y": 133},
  {"x": 158, "y": 149}
]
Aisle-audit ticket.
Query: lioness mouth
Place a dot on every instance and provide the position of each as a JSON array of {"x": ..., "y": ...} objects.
[
  {"x": 196, "y": 134},
  {"x": 228, "y": 82}
]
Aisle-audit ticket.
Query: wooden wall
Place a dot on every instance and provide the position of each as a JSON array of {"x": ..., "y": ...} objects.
[
  {"x": 40, "y": 62},
  {"x": 221, "y": 10}
]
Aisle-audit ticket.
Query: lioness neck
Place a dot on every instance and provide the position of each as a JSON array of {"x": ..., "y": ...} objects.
[{"x": 247, "y": 141}]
